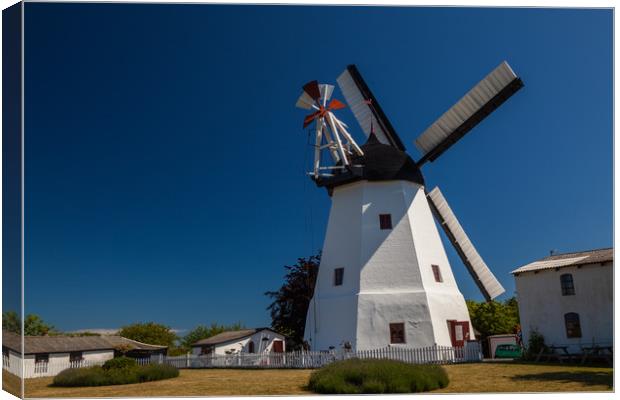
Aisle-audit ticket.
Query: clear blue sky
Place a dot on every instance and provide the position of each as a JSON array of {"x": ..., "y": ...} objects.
[{"x": 165, "y": 158}]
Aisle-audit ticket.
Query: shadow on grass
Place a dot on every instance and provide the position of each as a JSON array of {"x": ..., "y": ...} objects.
[{"x": 585, "y": 377}]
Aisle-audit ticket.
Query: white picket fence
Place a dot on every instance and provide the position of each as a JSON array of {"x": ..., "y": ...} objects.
[
  {"x": 52, "y": 367},
  {"x": 472, "y": 352}
]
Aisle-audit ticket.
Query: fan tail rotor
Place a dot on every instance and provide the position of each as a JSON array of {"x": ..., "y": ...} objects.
[{"x": 312, "y": 88}]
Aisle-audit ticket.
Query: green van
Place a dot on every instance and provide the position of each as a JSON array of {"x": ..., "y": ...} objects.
[{"x": 508, "y": 351}]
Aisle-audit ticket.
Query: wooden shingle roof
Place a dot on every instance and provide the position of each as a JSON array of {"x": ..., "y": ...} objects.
[
  {"x": 64, "y": 344},
  {"x": 568, "y": 260}
]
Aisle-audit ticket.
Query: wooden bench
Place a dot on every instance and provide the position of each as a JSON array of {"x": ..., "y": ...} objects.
[
  {"x": 558, "y": 353},
  {"x": 603, "y": 353}
]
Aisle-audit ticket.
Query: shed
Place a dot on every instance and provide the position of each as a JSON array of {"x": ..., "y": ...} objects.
[{"x": 258, "y": 340}]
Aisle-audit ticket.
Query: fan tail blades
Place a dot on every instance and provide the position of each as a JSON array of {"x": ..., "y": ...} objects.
[
  {"x": 304, "y": 101},
  {"x": 312, "y": 88},
  {"x": 484, "y": 278},
  {"x": 309, "y": 118},
  {"x": 336, "y": 104},
  {"x": 326, "y": 92}
]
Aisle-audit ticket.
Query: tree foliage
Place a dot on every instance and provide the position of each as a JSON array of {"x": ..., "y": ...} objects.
[
  {"x": 11, "y": 322},
  {"x": 290, "y": 303},
  {"x": 33, "y": 324},
  {"x": 150, "y": 333},
  {"x": 202, "y": 332},
  {"x": 494, "y": 317}
]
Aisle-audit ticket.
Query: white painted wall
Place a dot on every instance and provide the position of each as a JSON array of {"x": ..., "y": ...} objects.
[
  {"x": 241, "y": 345},
  {"x": 542, "y": 306},
  {"x": 62, "y": 359},
  {"x": 97, "y": 355},
  {"x": 388, "y": 276}
]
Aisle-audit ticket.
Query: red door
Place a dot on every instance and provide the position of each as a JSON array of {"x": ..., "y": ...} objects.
[
  {"x": 278, "y": 346},
  {"x": 459, "y": 332}
]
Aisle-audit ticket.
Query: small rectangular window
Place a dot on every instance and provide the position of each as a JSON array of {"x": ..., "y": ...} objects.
[
  {"x": 567, "y": 284},
  {"x": 338, "y": 276},
  {"x": 385, "y": 221},
  {"x": 6, "y": 359},
  {"x": 40, "y": 363},
  {"x": 437, "y": 273},
  {"x": 41, "y": 358},
  {"x": 75, "y": 356},
  {"x": 397, "y": 333},
  {"x": 573, "y": 326}
]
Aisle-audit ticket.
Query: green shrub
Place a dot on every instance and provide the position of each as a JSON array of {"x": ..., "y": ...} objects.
[
  {"x": 90, "y": 376},
  {"x": 120, "y": 363},
  {"x": 156, "y": 372},
  {"x": 535, "y": 344},
  {"x": 120, "y": 373},
  {"x": 357, "y": 376}
]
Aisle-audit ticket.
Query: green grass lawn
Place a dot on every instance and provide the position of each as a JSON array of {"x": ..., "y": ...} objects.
[{"x": 464, "y": 378}]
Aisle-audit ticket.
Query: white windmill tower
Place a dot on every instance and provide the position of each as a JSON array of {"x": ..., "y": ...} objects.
[{"x": 384, "y": 277}]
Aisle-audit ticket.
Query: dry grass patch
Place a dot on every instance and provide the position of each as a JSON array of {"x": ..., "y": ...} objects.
[
  {"x": 464, "y": 378},
  {"x": 11, "y": 383},
  {"x": 526, "y": 377},
  {"x": 191, "y": 382}
]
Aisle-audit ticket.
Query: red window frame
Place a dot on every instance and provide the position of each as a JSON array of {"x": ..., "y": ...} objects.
[
  {"x": 437, "y": 273},
  {"x": 338, "y": 276},
  {"x": 385, "y": 221},
  {"x": 397, "y": 333}
]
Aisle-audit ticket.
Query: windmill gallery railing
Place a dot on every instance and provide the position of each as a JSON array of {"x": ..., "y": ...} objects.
[{"x": 472, "y": 352}]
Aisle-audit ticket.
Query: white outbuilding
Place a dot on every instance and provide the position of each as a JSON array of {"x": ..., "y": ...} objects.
[
  {"x": 48, "y": 355},
  {"x": 568, "y": 298},
  {"x": 259, "y": 341}
]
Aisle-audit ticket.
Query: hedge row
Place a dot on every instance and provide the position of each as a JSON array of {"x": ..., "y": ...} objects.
[
  {"x": 118, "y": 371},
  {"x": 357, "y": 376}
]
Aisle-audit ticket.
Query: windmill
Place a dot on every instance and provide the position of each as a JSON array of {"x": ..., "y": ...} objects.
[{"x": 384, "y": 278}]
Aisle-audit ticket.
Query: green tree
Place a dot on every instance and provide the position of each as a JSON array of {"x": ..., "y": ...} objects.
[
  {"x": 202, "y": 332},
  {"x": 150, "y": 333},
  {"x": 494, "y": 317},
  {"x": 11, "y": 322},
  {"x": 290, "y": 303},
  {"x": 33, "y": 324}
]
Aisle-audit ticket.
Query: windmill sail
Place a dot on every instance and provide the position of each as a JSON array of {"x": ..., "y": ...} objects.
[
  {"x": 476, "y": 105},
  {"x": 366, "y": 108},
  {"x": 484, "y": 278}
]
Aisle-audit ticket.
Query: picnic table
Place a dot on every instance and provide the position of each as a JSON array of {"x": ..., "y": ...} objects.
[
  {"x": 597, "y": 352},
  {"x": 559, "y": 353}
]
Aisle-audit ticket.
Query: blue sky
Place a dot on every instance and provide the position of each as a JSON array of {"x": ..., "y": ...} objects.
[{"x": 165, "y": 160}]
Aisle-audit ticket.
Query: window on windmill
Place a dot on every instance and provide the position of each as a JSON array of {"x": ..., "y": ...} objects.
[
  {"x": 385, "y": 221},
  {"x": 338, "y": 276},
  {"x": 437, "y": 273},
  {"x": 568, "y": 287},
  {"x": 573, "y": 326},
  {"x": 397, "y": 333}
]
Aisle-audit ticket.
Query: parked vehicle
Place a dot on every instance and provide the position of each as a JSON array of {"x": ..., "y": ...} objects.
[{"x": 508, "y": 351}]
